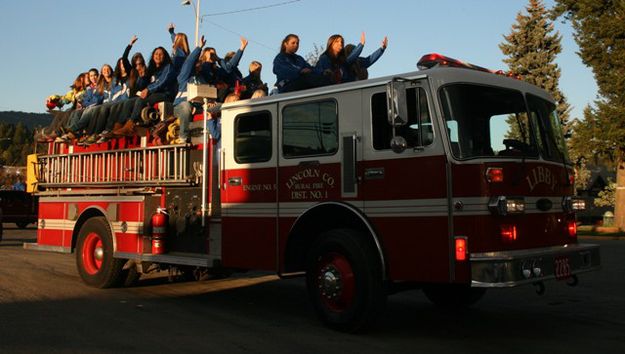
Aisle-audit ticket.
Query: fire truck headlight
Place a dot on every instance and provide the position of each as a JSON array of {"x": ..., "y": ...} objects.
[
  {"x": 503, "y": 205},
  {"x": 579, "y": 204},
  {"x": 572, "y": 205}
]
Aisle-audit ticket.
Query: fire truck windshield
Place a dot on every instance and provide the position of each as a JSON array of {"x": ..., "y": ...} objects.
[{"x": 485, "y": 121}]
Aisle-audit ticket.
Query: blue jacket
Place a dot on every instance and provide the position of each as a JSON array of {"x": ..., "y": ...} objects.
[
  {"x": 214, "y": 73},
  {"x": 91, "y": 97},
  {"x": 119, "y": 91},
  {"x": 164, "y": 80},
  {"x": 188, "y": 75},
  {"x": 325, "y": 63},
  {"x": 287, "y": 67},
  {"x": 231, "y": 69},
  {"x": 364, "y": 63}
]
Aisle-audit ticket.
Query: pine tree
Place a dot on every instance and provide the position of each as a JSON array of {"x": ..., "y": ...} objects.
[
  {"x": 531, "y": 48},
  {"x": 600, "y": 33}
]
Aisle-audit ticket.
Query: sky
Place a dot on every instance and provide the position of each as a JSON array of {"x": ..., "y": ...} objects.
[{"x": 47, "y": 43}]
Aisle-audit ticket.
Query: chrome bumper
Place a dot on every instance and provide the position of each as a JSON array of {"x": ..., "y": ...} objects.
[{"x": 514, "y": 268}]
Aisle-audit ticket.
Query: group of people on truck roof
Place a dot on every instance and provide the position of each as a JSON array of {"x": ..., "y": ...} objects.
[{"x": 112, "y": 102}]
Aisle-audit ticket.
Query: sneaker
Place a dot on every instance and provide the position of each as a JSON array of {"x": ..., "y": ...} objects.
[
  {"x": 65, "y": 138},
  {"x": 92, "y": 139},
  {"x": 83, "y": 140}
]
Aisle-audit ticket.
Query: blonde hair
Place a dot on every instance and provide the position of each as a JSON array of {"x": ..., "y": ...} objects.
[{"x": 181, "y": 41}]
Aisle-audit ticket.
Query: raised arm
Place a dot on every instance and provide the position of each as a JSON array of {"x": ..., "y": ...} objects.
[
  {"x": 353, "y": 56},
  {"x": 171, "y": 28},
  {"x": 189, "y": 64},
  {"x": 234, "y": 61},
  {"x": 125, "y": 61}
]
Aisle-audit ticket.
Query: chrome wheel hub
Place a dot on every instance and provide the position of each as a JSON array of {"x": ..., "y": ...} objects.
[
  {"x": 98, "y": 253},
  {"x": 330, "y": 282}
]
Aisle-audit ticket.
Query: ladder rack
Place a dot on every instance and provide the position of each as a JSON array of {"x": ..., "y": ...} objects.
[{"x": 168, "y": 165}]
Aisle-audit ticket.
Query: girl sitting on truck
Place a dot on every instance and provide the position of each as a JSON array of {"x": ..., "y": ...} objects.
[
  {"x": 101, "y": 94},
  {"x": 333, "y": 63},
  {"x": 358, "y": 69},
  {"x": 292, "y": 71},
  {"x": 180, "y": 48},
  {"x": 90, "y": 99},
  {"x": 190, "y": 73},
  {"x": 162, "y": 88},
  {"x": 73, "y": 97}
]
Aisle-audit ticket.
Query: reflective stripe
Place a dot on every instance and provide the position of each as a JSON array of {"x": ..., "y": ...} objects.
[{"x": 159, "y": 230}]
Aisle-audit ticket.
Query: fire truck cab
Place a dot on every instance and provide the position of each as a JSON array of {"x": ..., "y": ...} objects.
[{"x": 451, "y": 178}]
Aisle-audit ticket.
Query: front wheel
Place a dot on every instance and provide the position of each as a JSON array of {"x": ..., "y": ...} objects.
[
  {"x": 345, "y": 280},
  {"x": 94, "y": 255}
]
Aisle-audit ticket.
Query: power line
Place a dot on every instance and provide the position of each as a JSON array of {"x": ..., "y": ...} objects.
[
  {"x": 241, "y": 35},
  {"x": 251, "y": 9}
]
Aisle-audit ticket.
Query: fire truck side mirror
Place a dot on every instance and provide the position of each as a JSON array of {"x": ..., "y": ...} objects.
[{"x": 396, "y": 103}]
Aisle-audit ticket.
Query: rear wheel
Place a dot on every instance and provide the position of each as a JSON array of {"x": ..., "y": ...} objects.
[
  {"x": 345, "y": 280},
  {"x": 453, "y": 295},
  {"x": 94, "y": 255}
]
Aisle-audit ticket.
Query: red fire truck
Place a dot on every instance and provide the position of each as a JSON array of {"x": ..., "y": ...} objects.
[{"x": 452, "y": 179}]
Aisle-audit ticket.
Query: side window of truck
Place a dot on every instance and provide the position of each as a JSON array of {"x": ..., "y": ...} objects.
[
  {"x": 310, "y": 129},
  {"x": 252, "y": 137},
  {"x": 418, "y": 131}
]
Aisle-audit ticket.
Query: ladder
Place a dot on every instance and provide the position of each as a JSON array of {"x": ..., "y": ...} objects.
[{"x": 168, "y": 165}]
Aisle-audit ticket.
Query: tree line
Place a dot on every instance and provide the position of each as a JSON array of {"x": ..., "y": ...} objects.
[{"x": 16, "y": 143}]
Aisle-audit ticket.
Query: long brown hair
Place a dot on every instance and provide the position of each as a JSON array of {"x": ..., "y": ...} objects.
[
  {"x": 102, "y": 84},
  {"x": 181, "y": 41},
  {"x": 79, "y": 83},
  {"x": 286, "y": 39},
  {"x": 340, "y": 56},
  {"x": 134, "y": 73}
]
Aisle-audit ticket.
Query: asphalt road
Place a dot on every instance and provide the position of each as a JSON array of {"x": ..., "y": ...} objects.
[{"x": 45, "y": 307}]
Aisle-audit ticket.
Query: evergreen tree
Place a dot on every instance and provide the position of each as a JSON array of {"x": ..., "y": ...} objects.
[
  {"x": 600, "y": 33},
  {"x": 531, "y": 48},
  {"x": 313, "y": 56}
]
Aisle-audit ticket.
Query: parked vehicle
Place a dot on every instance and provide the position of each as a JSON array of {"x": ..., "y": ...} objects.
[{"x": 18, "y": 207}]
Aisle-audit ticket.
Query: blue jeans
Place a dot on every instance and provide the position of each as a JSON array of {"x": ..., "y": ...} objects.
[
  {"x": 183, "y": 111},
  {"x": 81, "y": 121}
]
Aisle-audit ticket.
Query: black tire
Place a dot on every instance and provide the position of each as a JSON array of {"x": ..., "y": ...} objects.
[
  {"x": 94, "y": 255},
  {"x": 345, "y": 280},
  {"x": 21, "y": 225},
  {"x": 453, "y": 296}
]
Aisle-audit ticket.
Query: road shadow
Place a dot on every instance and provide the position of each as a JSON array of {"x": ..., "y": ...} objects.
[{"x": 12, "y": 242}]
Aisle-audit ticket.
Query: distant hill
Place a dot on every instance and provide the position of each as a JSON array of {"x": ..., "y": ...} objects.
[{"x": 30, "y": 120}]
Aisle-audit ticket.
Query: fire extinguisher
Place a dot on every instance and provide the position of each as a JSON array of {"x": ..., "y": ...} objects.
[{"x": 160, "y": 220}]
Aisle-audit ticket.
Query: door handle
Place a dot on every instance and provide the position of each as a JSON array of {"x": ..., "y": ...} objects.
[
  {"x": 234, "y": 181},
  {"x": 374, "y": 173}
]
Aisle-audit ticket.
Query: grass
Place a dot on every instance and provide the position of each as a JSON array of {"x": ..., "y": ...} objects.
[{"x": 591, "y": 230}]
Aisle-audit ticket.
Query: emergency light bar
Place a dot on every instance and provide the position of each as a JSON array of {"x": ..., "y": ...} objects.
[{"x": 431, "y": 60}]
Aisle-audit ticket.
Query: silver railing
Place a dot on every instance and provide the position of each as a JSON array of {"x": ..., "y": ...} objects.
[{"x": 167, "y": 165}]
